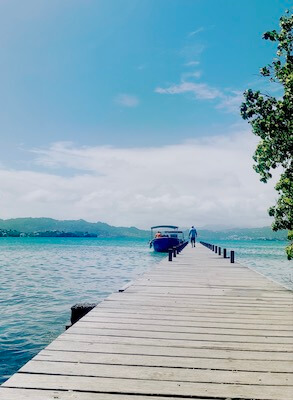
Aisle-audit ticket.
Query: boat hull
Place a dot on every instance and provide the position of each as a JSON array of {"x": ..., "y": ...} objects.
[{"x": 162, "y": 244}]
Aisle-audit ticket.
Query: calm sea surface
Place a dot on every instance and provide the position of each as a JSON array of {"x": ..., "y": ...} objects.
[{"x": 41, "y": 278}]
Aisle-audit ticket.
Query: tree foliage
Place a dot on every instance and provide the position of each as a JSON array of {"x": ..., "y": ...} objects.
[{"x": 271, "y": 120}]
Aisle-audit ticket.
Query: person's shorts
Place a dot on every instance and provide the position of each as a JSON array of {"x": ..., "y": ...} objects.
[{"x": 192, "y": 240}]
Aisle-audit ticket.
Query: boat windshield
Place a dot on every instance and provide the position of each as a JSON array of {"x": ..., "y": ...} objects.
[{"x": 171, "y": 234}]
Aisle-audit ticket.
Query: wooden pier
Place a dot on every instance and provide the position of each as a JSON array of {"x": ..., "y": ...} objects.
[{"x": 197, "y": 327}]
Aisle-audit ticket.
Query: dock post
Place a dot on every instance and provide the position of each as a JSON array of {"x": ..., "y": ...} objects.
[
  {"x": 216, "y": 249},
  {"x": 170, "y": 251},
  {"x": 219, "y": 251},
  {"x": 213, "y": 247},
  {"x": 174, "y": 251},
  {"x": 225, "y": 253},
  {"x": 232, "y": 256},
  {"x": 80, "y": 310},
  {"x": 177, "y": 249}
]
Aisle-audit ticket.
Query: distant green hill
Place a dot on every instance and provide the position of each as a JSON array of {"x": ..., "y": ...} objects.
[
  {"x": 264, "y": 233},
  {"x": 28, "y": 225}
]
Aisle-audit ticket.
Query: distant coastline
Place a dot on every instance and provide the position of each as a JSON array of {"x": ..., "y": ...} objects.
[
  {"x": 49, "y": 227},
  {"x": 13, "y": 233}
]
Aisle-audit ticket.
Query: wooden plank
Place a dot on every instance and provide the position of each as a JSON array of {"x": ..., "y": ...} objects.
[
  {"x": 207, "y": 291},
  {"x": 260, "y": 334},
  {"x": 149, "y": 387},
  {"x": 192, "y": 303},
  {"x": 205, "y": 302},
  {"x": 35, "y": 394},
  {"x": 206, "y": 335},
  {"x": 238, "y": 275},
  {"x": 157, "y": 374},
  {"x": 189, "y": 320},
  {"x": 166, "y": 361},
  {"x": 135, "y": 338},
  {"x": 285, "y": 309},
  {"x": 206, "y": 299},
  {"x": 191, "y": 311},
  {"x": 235, "y": 284},
  {"x": 203, "y": 290},
  {"x": 133, "y": 348},
  {"x": 193, "y": 281},
  {"x": 196, "y": 325}
]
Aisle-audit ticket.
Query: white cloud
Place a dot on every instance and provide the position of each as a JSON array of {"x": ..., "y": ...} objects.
[
  {"x": 228, "y": 100},
  {"x": 231, "y": 103},
  {"x": 127, "y": 100},
  {"x": 203, "y": 182},
  {"x": 200, "y": 90},
  {"x": 191, "y": 63},
  {"x": 195, "y": 32}
]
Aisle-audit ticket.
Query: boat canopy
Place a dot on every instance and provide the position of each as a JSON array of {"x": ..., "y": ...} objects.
[{"x": 165, "y": 226}]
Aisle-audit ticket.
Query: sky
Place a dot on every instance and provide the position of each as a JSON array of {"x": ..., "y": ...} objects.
[{"x": 127, "y": 111}]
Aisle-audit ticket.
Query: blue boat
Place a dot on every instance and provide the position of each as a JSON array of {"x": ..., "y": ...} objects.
[{"x": 166, "y": 237}]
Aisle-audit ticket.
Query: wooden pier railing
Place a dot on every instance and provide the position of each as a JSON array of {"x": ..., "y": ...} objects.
[{"x": 218, "y": 250}]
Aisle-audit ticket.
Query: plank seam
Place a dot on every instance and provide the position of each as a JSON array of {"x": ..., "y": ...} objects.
[
  {"x": 187, "y": 333},
  {"x": 182, "y": 326},
  {"x": 165, "y": 355},
  {"x": 162, "y": 366},
  {"x": 178, "y": 347},
  {"x": 163, "y": 396},
  {"x": 149, "y": 379},
  {"x": 166, "y": 338}
]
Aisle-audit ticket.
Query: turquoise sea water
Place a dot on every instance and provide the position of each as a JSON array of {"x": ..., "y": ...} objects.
[
  {"x": 41, "y": 278},
  {"x": 264, "y": 256}
]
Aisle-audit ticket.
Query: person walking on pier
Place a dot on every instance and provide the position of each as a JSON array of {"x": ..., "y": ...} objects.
[{"x": 192, "y": 234}]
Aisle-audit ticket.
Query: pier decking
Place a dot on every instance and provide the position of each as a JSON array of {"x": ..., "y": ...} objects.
[{"x": 197, "y": 327}]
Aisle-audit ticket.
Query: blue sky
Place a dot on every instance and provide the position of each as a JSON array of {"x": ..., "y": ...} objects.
[{"x": 130, "y": 74}]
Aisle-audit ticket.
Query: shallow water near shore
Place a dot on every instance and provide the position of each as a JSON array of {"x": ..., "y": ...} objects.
[{"x": 41, "y": 278}]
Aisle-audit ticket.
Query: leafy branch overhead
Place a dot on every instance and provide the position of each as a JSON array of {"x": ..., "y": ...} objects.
[{"x": 271, "y": 120}]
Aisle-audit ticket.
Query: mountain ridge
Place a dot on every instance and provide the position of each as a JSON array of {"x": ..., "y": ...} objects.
[
  {"x": 101, "y": 229},
  {"x": 42, "y": 224}
]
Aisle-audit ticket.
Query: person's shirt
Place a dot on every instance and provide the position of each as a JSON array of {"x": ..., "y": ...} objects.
[{"x": 192, "y": 233}]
